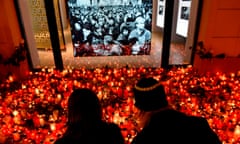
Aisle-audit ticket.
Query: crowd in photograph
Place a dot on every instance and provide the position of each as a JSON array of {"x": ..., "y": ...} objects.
[
  {"x": 34, "y": 110},
  {"x": 111, "y": 29}
]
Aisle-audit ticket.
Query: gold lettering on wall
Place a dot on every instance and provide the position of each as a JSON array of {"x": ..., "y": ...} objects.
[{"x": 40, "y": 24}]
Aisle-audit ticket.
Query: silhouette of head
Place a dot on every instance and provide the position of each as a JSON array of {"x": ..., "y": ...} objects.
[
  {"x": 83, "y": 107},
  {"x": 149, "y": 95}
]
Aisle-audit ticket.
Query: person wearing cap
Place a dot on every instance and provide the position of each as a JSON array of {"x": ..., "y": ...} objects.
[{"x": 161, "y": 124}]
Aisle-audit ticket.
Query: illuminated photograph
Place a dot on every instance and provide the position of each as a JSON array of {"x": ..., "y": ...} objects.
[
  {"x": 160, "y": 11},
  {"x": 185, "y": 13},
  {"x": 107, "y": 28}
]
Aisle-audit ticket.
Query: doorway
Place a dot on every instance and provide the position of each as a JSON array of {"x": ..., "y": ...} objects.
[{"x": 36, "y": 28}]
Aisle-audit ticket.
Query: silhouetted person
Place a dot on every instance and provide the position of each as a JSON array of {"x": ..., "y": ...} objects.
[
  {"x": 163, "y": 125},
  {"x": 85, "y": 125}
]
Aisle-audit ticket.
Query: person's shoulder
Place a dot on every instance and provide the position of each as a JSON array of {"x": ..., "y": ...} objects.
[
  {"x": 174, "y": 116},
  {"x": 198, "y": 120},
  {"x": 200, "y": 123},
  {"x": 170, "y": 113},
  {"x": 62, "y": 140},
  {"x": 114, "y": 133},
  {"x": 110, "y": 126},
  {"x": 192, "y": 120},
  {"x": 201, "y": 127}
]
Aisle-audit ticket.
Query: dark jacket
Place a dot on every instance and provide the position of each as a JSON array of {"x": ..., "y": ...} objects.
[
  {"x": 102, "y": 134},
  {"x": 172, "y": 127}
]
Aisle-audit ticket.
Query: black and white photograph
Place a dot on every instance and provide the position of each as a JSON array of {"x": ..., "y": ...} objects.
[
  {"x": 183, "y": 18},
  {"x": 185, "y": 11},
  {"x": 107, "y": 28},
  {"x": 160, "y": 11}
]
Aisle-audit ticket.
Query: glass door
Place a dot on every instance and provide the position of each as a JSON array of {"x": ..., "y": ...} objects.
[
  {"x": 48, "y": 50},
  {"x": 111, "y": 33},
  {"x": 50, "y": 32},
  {"x": 37, "y": 32}
]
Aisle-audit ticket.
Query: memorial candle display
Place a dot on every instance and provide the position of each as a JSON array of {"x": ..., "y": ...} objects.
[{"x": 33, "y": 110}]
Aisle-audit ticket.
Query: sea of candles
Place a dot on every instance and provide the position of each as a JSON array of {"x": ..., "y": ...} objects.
[{"x": 33, "y": 110}]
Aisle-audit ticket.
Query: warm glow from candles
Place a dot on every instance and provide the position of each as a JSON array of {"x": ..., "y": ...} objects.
[
  {"x": 10, "y": 78},
  {"x": 37, "y": 107},
  {"x": 15, "y": 112},
  {"x": 52, "y": 126},
  {"x": 41, "y": 121},
  {"x": 237, "y": 132}
]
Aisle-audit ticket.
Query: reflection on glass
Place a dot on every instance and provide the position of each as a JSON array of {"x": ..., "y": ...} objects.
[
  {"x": 131, "y": 57},
  {"x": 41, "y": 31},
  {"x": 40, "y": 25}
]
